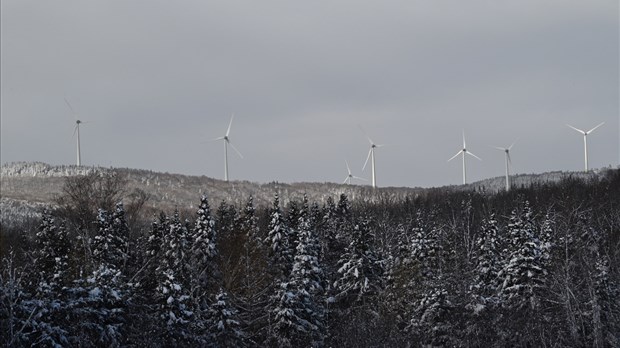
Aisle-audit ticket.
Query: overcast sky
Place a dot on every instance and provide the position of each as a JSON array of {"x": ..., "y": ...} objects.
[{"x": 158, "y": 79}]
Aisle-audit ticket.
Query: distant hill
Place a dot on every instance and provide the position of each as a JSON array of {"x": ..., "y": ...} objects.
[{"x": 25, "y": 187}]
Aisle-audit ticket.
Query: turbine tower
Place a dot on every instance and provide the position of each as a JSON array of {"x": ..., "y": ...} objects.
[
  {"x": 76, "y": 130},
  {"x": 585, "y": 141},
  {"x": 371, "y": 157},
  {"x": 226, "y": 143},
  {"x": 464, "y": 152},
  {"x": 508, "y": 162},
  {"x": 350, "y": 177}
]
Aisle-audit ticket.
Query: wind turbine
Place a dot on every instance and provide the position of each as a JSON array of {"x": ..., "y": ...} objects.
[
  {"x": 508, "y": 162},
  {"x": 226, "y": 143},
  {"x": 76, "y": 130},
  {"x": 464, "y": 152},
  {"x": 585, "y": 140},
  {"x": 371, "y": 156},
  {"x": 349, "y": 177}
]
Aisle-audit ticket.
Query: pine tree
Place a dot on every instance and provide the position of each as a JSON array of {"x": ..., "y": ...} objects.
[
  {"x": 175, "y": 307},
  {"x": 299, "y": 310},
  {"x": 280, "y": 254},
  {"x": 204, "y": 249},
  {"x": 111, "y": 242},
  {"x": 52, "y": 255},
  {"x": 488, "y": 264},
  {"x": 153, "y": 254},
  {"x": 292, "y": 220},
  {"x": 97, "y": 307},
  {"x": 223, "y": 325},
  {"x": 360, "y": 269},
  {"x": 25, "y": 318},
  {"x": 605, "y": 307},
  {"x": 307, "y": 282},
  {"x": 432, "y": 307},
  {"x": 523, "y": 275}
]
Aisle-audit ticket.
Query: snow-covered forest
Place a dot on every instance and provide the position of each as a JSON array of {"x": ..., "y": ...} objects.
[{"x": 537, "y": 266}]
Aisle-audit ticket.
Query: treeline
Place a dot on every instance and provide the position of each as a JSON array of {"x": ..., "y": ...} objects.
[{"x": 536, "y": 266}]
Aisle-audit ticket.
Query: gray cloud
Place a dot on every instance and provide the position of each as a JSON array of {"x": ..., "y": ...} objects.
[{"x": 157, "y": 79}]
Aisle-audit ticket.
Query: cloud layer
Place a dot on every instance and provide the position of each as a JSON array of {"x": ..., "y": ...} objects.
[{"x": 157, "y": 80}]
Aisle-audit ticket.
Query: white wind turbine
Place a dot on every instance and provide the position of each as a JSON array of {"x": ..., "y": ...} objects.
[
  {"x": 464, "y": 152},
  {"x": 76, "y": 130},
  {"x": 508, "y": 162},
  {"x": 226, "y": 143},
  {"x": 585, "y": 140},
  {"x": 350, "y": 177},
  {"x": 371, "y": 156}
]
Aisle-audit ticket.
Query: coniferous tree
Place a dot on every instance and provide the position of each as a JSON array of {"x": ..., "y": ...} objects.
[
  {"x": 523, "y": 274},
  {"x": 360, "y": 269},
  {"x": 523, "y": 279},
  {"x": 484, "y": 300},
  {"x": 488, "y": 264},
  {"x": 175, "y": 307},
  {"x": 25, "y": 320},
  {"x": 204, "y": 249},
  {"x": 433, "y": 306},
  {"x": 298, "y": 314},
  {"x": 111, "y": 242},
  {"x": 98, "y": 305},
  {"x": 52, "y": 255},
  {"x": 605, "y": 307},
  {"x": 225, "y": 329},
  {"x": 280, "y": 253}
]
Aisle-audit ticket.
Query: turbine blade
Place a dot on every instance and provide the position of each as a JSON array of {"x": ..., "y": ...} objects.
[
  {"x": 358, "y": 178},
  {"x": 509, "y": 159},
  {"x": 469, "y": 153},
  {"x": 453, "y": 157},
  {"x": 513, "y": 144},
  {"x": 234, "y": 148},
  {"x": 367, "y": 158},
  {"x": 345, "y": 180},
  {"x": 499, "y": 148},
  {"x": 365, "y": 134},
  {"x": 70, "y": 107},
  {"x": 348, "y": 169},
  {"x": 592, "y": 130},
  {"x": 464, "y": 146},
  {"x": 381, "y": 145},
  {"x": 75, "y": 129},
  {"x": 230, "y": 124},
  {"x": 577, "y": 129},
  {"x": 218, "y": 138}
]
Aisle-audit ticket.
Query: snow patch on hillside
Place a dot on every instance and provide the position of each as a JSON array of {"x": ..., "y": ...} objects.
[
  {"x": 15, "y": 213},
  {"x": 40, "y": 169}
]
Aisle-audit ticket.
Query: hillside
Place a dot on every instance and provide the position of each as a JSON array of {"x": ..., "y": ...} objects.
[
  {"x": 26, "y": 186},
  {"x": 449, "y": 268}
]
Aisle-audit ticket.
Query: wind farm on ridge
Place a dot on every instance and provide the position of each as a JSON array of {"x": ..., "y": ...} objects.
[{"x": 370, "y": 158}]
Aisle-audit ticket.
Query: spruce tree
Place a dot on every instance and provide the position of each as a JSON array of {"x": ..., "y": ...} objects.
[
  {"x": 298, "y": 313},
  {"x": 360, "y": 269},
  {"x": 203, "y": 248},
  {"x": 488, "y": 263},
  {"x": 52, "y": 255},
  {"x": 174, "y": 304},
  {"x": 224, "y": 328},
  {"x": 280, "y": 253},
  {"x": 524, "y": 273}
]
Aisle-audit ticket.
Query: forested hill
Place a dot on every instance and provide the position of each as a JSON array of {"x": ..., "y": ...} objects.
[
  {"x": 40, "y": 183},
  {"x": 536, "y": 266}
]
